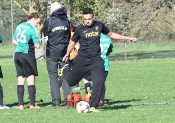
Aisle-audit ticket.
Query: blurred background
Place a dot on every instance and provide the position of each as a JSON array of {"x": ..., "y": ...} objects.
[{"x": 151, "y": 21}]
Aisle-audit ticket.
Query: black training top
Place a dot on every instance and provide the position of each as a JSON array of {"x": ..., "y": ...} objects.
[
  {"x": 89, "y": 38},
  {"x": 57, "y": 28}
]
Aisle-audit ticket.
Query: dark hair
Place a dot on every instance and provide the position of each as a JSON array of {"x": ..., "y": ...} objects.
[
  {"x": 88, "y": 11},
  {"x": 34, "y": 15},
  {"x": 72, "y": 27}
]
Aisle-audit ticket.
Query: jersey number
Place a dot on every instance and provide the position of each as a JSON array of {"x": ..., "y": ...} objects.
[
  {"x": 104, "y": 47},
  {"x": 20, "y": 36}
]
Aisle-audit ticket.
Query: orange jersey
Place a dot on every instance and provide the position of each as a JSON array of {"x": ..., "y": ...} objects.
[{"x": 74, "y": 52}]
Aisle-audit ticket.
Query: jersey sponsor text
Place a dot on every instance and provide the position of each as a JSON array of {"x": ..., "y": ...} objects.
[
  {"x": 92, "y": 34},
  {"x": 59, "y": 28}
]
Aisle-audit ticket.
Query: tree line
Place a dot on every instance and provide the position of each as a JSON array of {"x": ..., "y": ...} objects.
[{"x": 145, "y": 19}]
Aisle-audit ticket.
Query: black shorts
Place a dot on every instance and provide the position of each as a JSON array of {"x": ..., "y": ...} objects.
[
  {"x": 25, "y": 65},
  {"x": 1, "y": 75}
]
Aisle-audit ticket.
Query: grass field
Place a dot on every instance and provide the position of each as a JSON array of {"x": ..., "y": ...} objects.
[{"x": 138, "y": 91}]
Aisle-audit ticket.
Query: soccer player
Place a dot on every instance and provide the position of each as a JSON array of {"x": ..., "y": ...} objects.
[
  {"x": 57, "y": 32},
  {"x": 88, "y": 58},
  {"x": 2, "y": 106},
  {"x": 26, "y": 40},
  {"x": 106, "y": 46}
]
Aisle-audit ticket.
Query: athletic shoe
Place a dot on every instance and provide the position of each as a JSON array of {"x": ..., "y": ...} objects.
[
  {"x": 4, "y": 107},
  {"x": 34, "y": 107},
  {"x": 92, "y": 109},
  {"x": 89, "y": 92},
  {"x": 20, "y": 107},
  {"x": 77, "y": 88},
  {"x": 60, "y": 72}
]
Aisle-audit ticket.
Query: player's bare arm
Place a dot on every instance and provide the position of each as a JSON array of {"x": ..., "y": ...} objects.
[
  {"x": 121, "y": 37},
  {"x": 69, "y": 49}
]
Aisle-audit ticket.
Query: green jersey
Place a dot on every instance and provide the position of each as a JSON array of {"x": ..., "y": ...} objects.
[
  {"x": 26, "y": 35},
  {"x": 106, "y": 47}
]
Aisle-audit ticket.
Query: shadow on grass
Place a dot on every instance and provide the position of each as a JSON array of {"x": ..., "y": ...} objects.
[
  {"x": 40, "y": 103},
  {"x": 6, "y": 57},
  {"x": 16, "y": 104},
  {"x": 140, "y": 55},
  {"x": 114, "y": 105}
]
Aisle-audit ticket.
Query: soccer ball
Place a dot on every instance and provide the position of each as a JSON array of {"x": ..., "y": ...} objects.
[{"x": 82, "y": 107}]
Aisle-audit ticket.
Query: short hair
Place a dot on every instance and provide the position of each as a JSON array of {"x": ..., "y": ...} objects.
[
  {"x": 88, "y": 11},
  {"x": 34, "y": 15},
  {"x": 55, "y": 6}
]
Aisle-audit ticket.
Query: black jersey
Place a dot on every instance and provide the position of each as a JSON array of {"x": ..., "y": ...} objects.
[
  {"x": 57, "y": 28},
  {"x": 89, "y": 38}
]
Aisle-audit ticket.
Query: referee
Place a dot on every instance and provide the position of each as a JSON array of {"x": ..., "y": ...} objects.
[{"x": 88, "y": 58}]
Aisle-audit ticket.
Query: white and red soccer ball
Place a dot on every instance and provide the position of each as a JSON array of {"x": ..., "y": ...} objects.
[{"x": 82, "y": 107}]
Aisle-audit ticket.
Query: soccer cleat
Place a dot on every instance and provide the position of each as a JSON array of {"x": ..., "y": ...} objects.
[
  {"x": 89, "y": 92},
  {"x": 4, "y": 107},
  {"x": 34, "y": 107},
  {"x": 60, "y": 72},
  {"x": 20, "y": 107},
  {"x": 92, "y": 109}
]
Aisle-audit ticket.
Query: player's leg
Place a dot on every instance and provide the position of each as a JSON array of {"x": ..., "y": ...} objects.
[
  {"x": 1, "y": 91},
  {"x": 30, "y": 70},
  {"x": 20, "y": 92},
  {"x": 66, "y": 88},
  {"x": 77, "y": 71},
  {"x": 2, "y": 106},
  {"x": 1, "y": 96},
  {"x": 21, "y": 80},
  {"x": 32, "y": 91},
  {"x": 55, "y": 84},
  {"x": 98, "y": 79},
  {"x": 102, "y": 97},
  {"x": 87, "y": 78}
]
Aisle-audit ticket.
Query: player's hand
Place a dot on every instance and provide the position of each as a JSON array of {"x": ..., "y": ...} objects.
[
  {"x": 65, "y": 58},
  {"x": 133, "y": 39}
]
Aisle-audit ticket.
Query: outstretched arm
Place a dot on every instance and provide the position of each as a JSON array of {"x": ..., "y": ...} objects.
[{"x": 121, "y": 37}]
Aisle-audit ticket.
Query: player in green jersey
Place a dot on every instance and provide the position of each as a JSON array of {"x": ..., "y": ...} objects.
[{"x": 26, "y": 40}]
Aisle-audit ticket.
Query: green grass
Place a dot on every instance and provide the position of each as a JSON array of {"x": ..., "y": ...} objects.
[
  {"x": 143, "y": 51},
  {"x": 138, "y": 91}
]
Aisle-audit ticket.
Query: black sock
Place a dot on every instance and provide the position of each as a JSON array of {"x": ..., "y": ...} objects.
[
  {"x": 20, "y": 93},
  {"x": 86, "y": 85},
  {"x": 1, "y": 95},
  {"x": 32, "y": 93}
]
